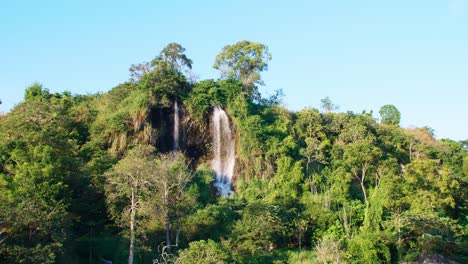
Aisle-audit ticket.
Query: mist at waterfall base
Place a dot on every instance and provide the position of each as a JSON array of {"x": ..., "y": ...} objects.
[{"x": 223, "y": 152}]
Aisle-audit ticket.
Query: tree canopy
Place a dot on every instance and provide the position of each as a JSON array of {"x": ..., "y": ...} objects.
[
  {"x": 96, "y": 178},
  {"x": 390, "y": 115},
  {"x": 243, "y": 61}
]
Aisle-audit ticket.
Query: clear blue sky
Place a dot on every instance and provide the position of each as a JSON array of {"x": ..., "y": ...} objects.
[{"x": 362, "y": 54}]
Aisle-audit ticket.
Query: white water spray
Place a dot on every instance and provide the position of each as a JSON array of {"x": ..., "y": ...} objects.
[
  {"x": 223, "y": 152},
  {"x": 176, "y": 127}
]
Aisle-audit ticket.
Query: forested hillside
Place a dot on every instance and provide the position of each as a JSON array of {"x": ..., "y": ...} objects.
[{"x": 132, "y": 175}]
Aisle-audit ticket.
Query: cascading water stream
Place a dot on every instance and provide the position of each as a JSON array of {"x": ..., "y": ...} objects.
[
  {"x": 223, "y": 152},
  {"x": 176, "y": 127}
]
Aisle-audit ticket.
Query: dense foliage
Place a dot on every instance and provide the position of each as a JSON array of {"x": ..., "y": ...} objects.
[{"x": 84, "y": 179}]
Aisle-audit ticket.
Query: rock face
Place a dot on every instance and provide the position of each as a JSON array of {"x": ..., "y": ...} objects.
[
  {"x": 176, "y": 131},
  {"x": 223, "y": 151},
  {"x": 176, "y": 134},
  {"x": 163, "y": 125}
]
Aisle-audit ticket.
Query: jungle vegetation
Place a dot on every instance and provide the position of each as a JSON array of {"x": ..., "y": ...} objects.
[{"x": 90, "y": 178}]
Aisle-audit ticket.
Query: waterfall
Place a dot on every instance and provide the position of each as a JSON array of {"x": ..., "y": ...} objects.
[
  {"x": 176, "y": 126},
  {"x": 223, "y": 152}
]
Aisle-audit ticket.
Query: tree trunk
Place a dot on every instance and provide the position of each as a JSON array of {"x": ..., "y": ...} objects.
[
  {"x": 168, "y": 224},
  {"x": 399, "y": 242},
  {"x": 178, "y": 227},
  {"x": 361, "y": 182},
  {"x": 132, "y": 227},
  {"x": 90, "y": 245},
  {"x": 177, "y": 237},
  {"x": 300, "y": 235},
  {"x": 365, "y": 194},
  {"x": 313, "y": 190},
  {"x": 410, "y": 151},
  {"x": 378, "y": 177}
]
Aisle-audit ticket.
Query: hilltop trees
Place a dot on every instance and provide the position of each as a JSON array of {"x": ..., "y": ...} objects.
[
  {"x": 173, "y": 54},
  {"x": 327, "y": 105},
  {"x": 136, "y": 102},
  {"x": 243, "y": 61},
  {"x": 165, "y": 80},
  {"x": 390, "y": 115}
]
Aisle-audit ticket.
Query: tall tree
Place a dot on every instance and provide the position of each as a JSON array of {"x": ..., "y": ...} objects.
[
  {"x": 37, "y": 162},
  {"x": 309, "y": 128},
  {"x": 328, "y": 105},
  {"x": 359, "y": 151},
  {"x": 243, "y": 61},
  {"x": 173, "y": 54},
  {"x": 172, "y": 177},
  {"x": 164, "y": 84},
  {"x": 138, "y": 70},
  {"x": 130, "y": 182},
  {"x": 390, "y": 115},
  {"x": 359, "y": 157}
]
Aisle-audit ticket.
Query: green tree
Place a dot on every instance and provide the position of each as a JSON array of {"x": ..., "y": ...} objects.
[
  {"x": 212, "y": 221},
  {"x": 38, "y": 161},
  {"x": 173, "y": 54},
  {"x": 368, "y": 248},
  {"x": 204, "y": 252},
  {"x": 129, "y": 183},
  {"x": 172, "y": 177},
  {"x": 359, "y": 157},
  {"x": 138, "y": 70},
  {"x": 243, "y": 61},
  {"x": 208, "y": 93},
  {"x": 35, "y": 91},
  {"x": 358, "y": 152},
  {"x": 309, "y": 128},
  {"x": 328, "y": 105},
  {"x": 260, "y": 229},
  {"x": 390, "y": 115},
  {"x": 286, "y": 183},
  {"x": 163, "y": 84},
  {"x": 32, "y": 231}
]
